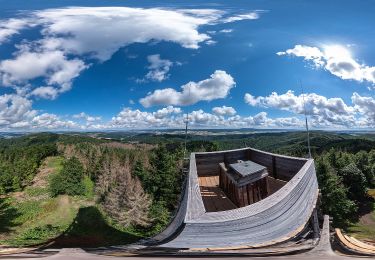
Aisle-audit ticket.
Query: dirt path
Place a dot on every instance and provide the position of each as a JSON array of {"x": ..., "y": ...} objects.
[
  {"x": 367, "y": 219},
  {"x": 40, "y": 181},
  {"x": 41, "y": 178}
]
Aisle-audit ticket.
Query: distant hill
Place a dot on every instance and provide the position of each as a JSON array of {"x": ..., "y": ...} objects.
[{"x": 287, "y": 142}]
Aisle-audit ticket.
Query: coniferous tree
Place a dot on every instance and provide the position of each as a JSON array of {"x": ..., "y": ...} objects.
[
  {"x": 355, "y": 180},
  {"x": 366, "y": 163},
  {"x": 335, "y": 201},
  {"x": 140, "y": 171},
  {"x": 69, "y": 180},
  {"x": 164, "y": 177}
]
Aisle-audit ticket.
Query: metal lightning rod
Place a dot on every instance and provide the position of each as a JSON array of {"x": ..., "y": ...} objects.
[{"x": 307, "y": 125}]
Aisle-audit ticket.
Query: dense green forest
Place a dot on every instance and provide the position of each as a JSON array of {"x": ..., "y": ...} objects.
[
  {"x": 344, "y": 179},
  {"x": 20, "y": 158},
  {"x": 129, "y": 185},
  {"x": 133, "y": 188}
]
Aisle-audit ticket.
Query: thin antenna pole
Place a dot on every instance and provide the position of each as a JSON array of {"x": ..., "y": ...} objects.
[
  {"x": 307, "y": 125},
  {"x": 186, "y": 131},
  {"x": 186, "y": 127}
]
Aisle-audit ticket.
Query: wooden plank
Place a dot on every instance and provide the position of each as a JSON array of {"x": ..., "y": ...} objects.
[
  {"x": 350, "y": 245},
  {"x": 250, "y": 193},
  {"x": 241, "y": 202},
  {"x": 360, "y": 244},
  {"x": 244, "y": 194},
  {"x": 214, "y": 199},
  {"x": 274, "y": 184}
]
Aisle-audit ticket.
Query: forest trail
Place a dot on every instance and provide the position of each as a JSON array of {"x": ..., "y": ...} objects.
[
  {"x": 38, "y": 189},
  {"x": 49, "y": 166}
]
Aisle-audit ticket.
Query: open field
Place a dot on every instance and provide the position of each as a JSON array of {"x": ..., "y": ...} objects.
[{"x": 365, "y": 228}]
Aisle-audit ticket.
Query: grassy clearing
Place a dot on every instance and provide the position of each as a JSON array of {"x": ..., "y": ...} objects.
[
  {"x": 364, "y": 231},
  {"x": 89, "y": 188},
  {"x": 34, "y": 217},
  {"x": 39, "y": 221},
  {"x": 54, "y": 162},
  {"x": 365, "y": 228}
]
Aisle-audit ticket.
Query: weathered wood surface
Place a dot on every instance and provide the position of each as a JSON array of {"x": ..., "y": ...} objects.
[
  {"x": 274, "y": 184},
  {"x": 208, "y": 163},
  {"x": 214, "y": 199},
  {"x": 275, "y": 219},
  {"x": 353, "y": 245},
  {"x": 242, "y": 194},
  {"x": 279, "y": 166}
]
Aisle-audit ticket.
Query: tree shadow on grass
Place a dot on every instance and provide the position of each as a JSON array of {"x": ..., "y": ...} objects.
[
  {"x": 8, "y": 214},
  {"x": 366, "y": 206},
  {"x": 89, "y": 229}
]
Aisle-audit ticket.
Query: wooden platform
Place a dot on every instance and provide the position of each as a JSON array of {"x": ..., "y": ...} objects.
[
  {"x": 270, "y": 221},
  {"x": 214, "y": 199}
]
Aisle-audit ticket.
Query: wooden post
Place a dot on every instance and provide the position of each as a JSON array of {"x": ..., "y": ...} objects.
[
  {"x": 250, "y": 193},
  {"x": 315, "y": 223},
  {"x": 274, "y": 171},
  {"x": 244, "y": 194}
]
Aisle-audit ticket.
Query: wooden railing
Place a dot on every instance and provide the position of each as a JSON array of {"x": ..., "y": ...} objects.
[{"x": 278, "y": 166}]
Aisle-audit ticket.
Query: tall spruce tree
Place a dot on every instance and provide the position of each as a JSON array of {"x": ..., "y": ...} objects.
[
  {"x": 164, "y": 177},
  {"x": 69, "y": 180}
]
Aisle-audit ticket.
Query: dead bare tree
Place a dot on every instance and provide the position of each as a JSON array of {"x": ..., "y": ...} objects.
[
  {"x": 125, "y": 200},
  {"x": 121, "y": 194}
]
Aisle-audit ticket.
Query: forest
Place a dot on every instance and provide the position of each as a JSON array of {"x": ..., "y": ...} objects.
[
  {"x": 134, "y": 189},
  {"x": 118, "y": 187}
]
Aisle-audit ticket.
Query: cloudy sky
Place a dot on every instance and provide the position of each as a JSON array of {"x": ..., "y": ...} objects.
[{"x": 91, "y": 65}]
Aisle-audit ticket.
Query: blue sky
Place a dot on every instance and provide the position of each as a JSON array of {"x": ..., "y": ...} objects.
[{"x": 143, "y": 64}]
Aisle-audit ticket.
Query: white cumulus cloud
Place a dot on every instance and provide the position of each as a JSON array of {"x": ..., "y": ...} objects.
[
  {"x": 11, "y": 27},
  {"x": 324, "y": 111},
  {"x": 366, "y": 107},
  {"x": 224, "y": 111},
  {"x": 217, "y": 86},
  {"x": 16, "y": 112},
  {"x": 166, "y": 111},
  {"x": 50, "y": 122},
  {"x": 158, "y": 68},
  {"x": 87, "y": 117},
  {"x": 53, "y": 66},
  {"x": 72, "y": 38},
  {"x": 46, "y": 92},
  {"x": 14, "y": 109},
  {"x": 335, "y": 59},
  {"x": 122, "y": 26},
  {"x": 130, "y": 118}
]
